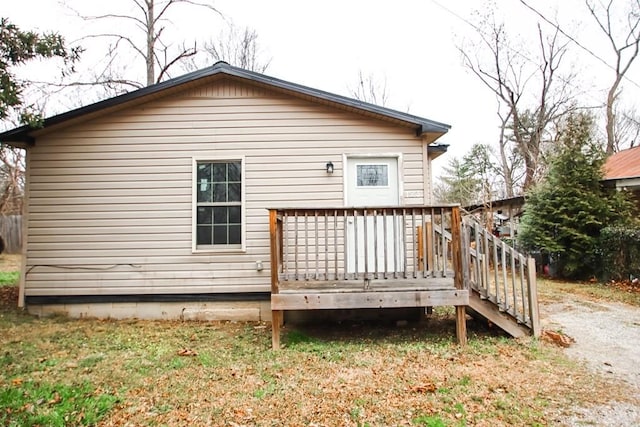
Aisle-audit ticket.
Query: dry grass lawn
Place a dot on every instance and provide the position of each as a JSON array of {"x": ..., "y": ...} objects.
[{"x": 225, "y": 374}]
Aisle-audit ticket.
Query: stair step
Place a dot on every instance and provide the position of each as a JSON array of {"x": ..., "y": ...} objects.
[{"x": 491, "y": 312}]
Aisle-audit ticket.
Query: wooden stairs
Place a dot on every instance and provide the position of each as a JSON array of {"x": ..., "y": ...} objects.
[{"x": 501, "y": 281}]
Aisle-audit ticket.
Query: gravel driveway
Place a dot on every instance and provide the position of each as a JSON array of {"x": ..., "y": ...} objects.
[{"x": 607, "y": 338}]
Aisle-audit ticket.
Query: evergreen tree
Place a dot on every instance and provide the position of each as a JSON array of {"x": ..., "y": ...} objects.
[
  {"x": 565, "y": 213},
  {"x": 468, "y": 181},
  {"x": 16, "y": 48}
]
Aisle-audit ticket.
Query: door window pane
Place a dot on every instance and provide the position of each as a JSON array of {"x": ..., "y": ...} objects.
[{"x": 372, "y": 175}]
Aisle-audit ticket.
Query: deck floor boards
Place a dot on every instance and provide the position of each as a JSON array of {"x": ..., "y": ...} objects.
[{"x": 375, "y": 285}]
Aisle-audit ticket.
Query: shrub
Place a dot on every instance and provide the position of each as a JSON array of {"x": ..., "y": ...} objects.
[{"x": 620, "y": 252}]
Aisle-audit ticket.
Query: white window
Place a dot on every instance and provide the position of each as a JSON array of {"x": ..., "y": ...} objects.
[{"x": 218, "y": 212}]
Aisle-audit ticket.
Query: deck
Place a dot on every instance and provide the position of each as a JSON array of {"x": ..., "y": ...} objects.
[{"x": 383, "y": 257}]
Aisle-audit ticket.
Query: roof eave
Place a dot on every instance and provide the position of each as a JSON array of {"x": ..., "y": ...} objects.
[{"x": 423, "y": 126}]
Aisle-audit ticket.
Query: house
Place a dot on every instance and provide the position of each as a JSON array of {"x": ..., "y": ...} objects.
[
  {"x": 504, "y": 213},
  {"x": 153, "y": 204},
  {"x": 228, "y": 194},
  {"x": 622, "y": 171}
]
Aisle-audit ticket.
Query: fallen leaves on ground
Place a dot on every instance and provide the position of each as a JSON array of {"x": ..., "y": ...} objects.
[
  {"x": 630, "y": 286},
  {"x": 347, "y": 374},
  {"x": 557, "y": 338},
  {"x": 187, "y": 352}
]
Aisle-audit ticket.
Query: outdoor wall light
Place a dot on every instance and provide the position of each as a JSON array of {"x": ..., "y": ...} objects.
[{"x": 329, "y": 167}]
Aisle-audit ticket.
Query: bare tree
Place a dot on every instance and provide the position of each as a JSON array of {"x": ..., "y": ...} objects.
[
  {"x": 238, "y": 47},
  {"x": 510, "y": 163},
  {"x": 369, "y": 89},
  {"x": 11, "y": 179},
  {"x": 150, "y": 17},
  {"x": 510, "y": 75},
  {"x": 625, "y": 50},
  {"x": 624, "y": 43},
  {"x": 626, "y": 128}
]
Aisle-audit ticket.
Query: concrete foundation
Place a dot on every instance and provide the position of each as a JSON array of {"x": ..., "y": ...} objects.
[{"x": 197, "y": 311}]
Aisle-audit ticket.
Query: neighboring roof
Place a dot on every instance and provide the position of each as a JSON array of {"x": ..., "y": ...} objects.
[
  {"x": 516, "y": 201},
  {"x": 623, "y": 164},
  {"x": 422, "y": 125}
]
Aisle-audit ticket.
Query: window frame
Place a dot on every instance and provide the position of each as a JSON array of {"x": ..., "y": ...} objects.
[{"x": 229, "y": 248}]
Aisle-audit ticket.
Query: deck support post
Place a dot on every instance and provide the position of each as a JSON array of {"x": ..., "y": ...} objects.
[
  {"x": 532, "y": 287},
  {"x": 276, "y": 322},
  {"x": 275, "y": 235},
  {"x": 461, "y": 325},
  {"x": 458, "y": 279}
]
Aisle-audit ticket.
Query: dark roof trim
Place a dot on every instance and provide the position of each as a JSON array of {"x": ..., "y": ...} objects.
[
  {"x": 438, "y": 148},
  {"x": 515, "y": 200},
  {"x": 21, "y": 134}
]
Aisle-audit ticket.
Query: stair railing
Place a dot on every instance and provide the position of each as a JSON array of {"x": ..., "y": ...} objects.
[{"x": 499, "y": 273}]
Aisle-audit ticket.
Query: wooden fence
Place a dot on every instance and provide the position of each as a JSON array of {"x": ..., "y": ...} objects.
[{"x": 11, "y": 233}]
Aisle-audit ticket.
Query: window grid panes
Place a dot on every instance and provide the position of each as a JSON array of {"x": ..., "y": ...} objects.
[
  {"x": 219, "y": 203},
  {"x": 372, "y": 175}
]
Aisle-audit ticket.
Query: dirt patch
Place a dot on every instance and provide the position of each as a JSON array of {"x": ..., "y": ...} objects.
[
  {"x": 606, "y": 334},
  {"x": 8, "y": 298},
  {"x": 607, "y": 339}
]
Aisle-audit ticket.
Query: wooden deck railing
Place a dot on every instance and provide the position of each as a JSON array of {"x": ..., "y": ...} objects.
[
  {"x": 364, "y": 244},
  {"x": 500, "y": 274},
  {"x": 389, "y": 257}
]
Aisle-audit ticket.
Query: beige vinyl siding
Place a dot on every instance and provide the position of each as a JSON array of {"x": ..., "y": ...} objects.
[{"x": 110, "y": 208}]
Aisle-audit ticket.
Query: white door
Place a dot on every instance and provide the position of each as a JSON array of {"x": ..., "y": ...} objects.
[{"x": 372, "y": 181}]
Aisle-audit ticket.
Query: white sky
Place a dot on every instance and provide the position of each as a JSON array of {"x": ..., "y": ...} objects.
[{"x": 410, "y": 43}]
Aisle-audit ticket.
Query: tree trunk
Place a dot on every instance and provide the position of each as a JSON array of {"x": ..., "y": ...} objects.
[
  {"x": 611, "y": 99},
  {"x": 150, "y": 43},
  {"x": 507, "y": 171}
]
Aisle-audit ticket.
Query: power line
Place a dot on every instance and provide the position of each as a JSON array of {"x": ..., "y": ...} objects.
[
  {"x": 554, "y": 25},
  {"x": 580, "y": 45},
  {"x": 519, "y": 53}
]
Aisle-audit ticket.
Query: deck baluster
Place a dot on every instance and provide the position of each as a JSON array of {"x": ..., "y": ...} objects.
[
  {"x": 285, "y": 228},
  {"x": 375, "y": 243},
  {"x": 335, "y": 242},
  {"x": 326, "y": 245},
  {"x": 385, "y": 243},
  {"x": 522, "y": 260},
  {"x": 504, "y": 276},
  {"x": 413, "y": 233},
  {"x": 366, "y": 243},
  {"x": 443, "y": 239},
  {"x": 346, "y": 256},
  {"x": 306, "y": 245},
  {"x": 513, "y": 284}
]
